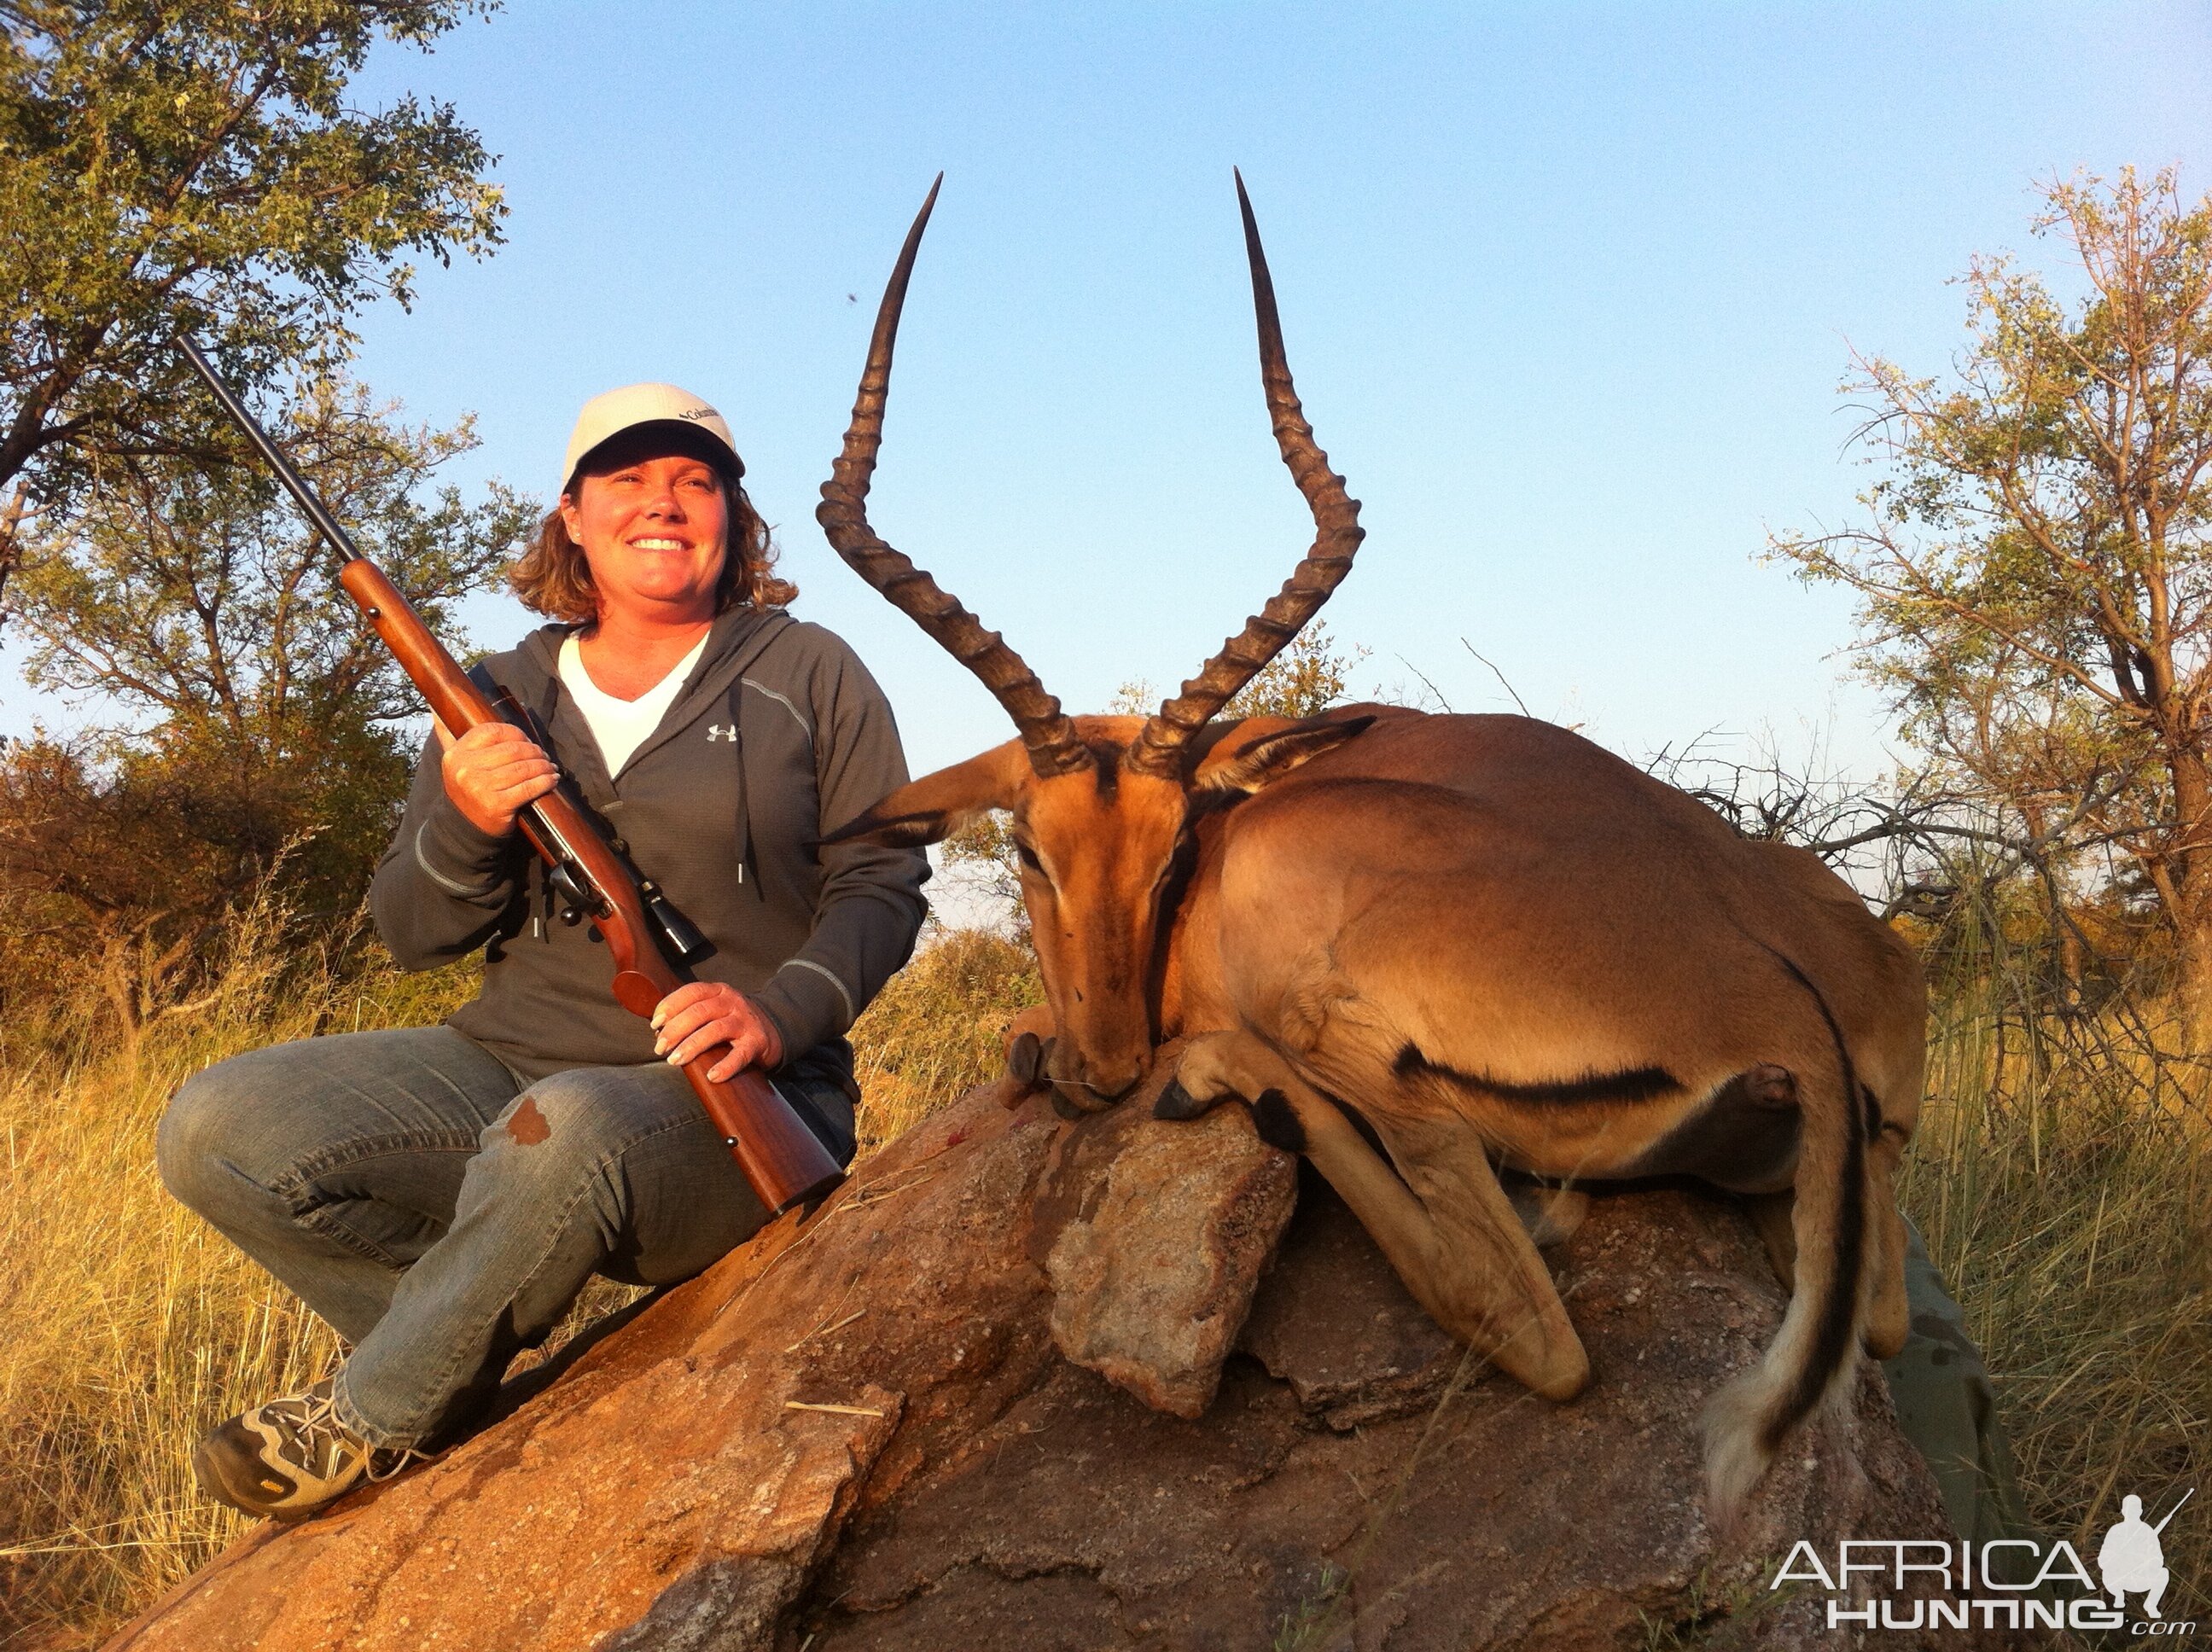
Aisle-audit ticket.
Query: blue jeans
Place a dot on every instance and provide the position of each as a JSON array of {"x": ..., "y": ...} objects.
[{"x": 441, "y": 1213}]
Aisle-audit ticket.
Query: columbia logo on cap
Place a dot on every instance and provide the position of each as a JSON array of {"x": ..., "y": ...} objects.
[{"x": 608, "y": 415}]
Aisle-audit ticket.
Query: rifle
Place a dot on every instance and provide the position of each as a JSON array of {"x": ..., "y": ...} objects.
[
  {"x": 2175, "y": 1509},
  {"x": 782, "y": 1160}
]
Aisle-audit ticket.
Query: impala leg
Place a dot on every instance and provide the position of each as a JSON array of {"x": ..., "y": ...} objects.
[
  {"x": 1774, "y": 1215},
  {"x": 1448, "y": 1228},
  {"x": 1549, "y": 1214},
  {"x": 1888, "y": 1316}
]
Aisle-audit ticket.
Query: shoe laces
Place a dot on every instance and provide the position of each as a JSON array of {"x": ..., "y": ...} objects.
[
  {"x": 385, "y": 1461},
  {"x": 311, "y": 1434}
]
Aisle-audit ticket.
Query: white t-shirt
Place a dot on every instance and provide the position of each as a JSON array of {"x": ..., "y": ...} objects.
[{"x": 620, "y": 726}]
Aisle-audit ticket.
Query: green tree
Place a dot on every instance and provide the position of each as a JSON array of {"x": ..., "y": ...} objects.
[
  {"x": 252, "y": 716},
  {"x": 169, "y": 164},
  {"x": 1310, "y": 675},
  {"x": 1307, "y": 677},
  {"x": 2034, "y": 583}
]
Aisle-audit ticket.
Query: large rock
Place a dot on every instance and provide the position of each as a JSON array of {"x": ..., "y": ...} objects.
[
  {"x": 1154, "y": 1237},
  {"x": 865, "y": 1431}
]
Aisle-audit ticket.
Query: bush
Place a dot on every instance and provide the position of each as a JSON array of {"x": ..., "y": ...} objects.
[{"x": 934, "y": 1032}]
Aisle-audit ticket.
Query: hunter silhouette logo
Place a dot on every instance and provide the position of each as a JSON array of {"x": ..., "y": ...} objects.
[
  {"x": 2132, "y": 1560},
  {"x": 718, "y": 731},
  {"x": 2012, "y": 1583}
]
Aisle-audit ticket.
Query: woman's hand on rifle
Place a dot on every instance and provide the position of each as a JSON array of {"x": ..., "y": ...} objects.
[
  {"x": 491, "y": 772},
  {"x": 701, "y": 1014}
]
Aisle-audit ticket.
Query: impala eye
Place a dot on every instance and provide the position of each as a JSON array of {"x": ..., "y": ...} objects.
[{"x": 1027, "y": 856}]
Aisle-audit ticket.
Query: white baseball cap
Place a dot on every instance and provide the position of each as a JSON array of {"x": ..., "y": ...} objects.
[{"x": 606, "y": 417}]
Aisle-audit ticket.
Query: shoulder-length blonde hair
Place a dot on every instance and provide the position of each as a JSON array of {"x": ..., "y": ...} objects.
[{"x": 553, "y": 578}]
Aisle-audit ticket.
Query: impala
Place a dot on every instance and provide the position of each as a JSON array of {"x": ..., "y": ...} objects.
[{"x": 1421, "y": 949}]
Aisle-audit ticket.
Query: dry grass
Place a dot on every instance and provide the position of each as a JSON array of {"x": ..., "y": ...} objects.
[
  {"x": 935, "y": 1031},
  {"x": 128, "y": 1326},
  {"x": 2061, "y": 1177}
]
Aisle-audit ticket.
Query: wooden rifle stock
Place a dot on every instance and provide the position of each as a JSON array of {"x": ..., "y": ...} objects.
[{"x": 783, "y": 1161}]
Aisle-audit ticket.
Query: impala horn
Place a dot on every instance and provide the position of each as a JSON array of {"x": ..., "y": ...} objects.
[
  {"x": 1159, "y": 750},
  {"x": 1054, "y": 746}
]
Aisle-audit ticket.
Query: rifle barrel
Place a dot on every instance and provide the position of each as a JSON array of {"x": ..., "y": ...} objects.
[
  {"x": 2175, "y": 1509},
  {"x": 778, "y": 1154},
  {"x": 295, "y": 484}
]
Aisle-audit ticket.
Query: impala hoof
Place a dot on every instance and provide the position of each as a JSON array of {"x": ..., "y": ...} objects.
[
  {"x": 1176, "y": 1102},
  {"x": 1025, "y": 1061}
]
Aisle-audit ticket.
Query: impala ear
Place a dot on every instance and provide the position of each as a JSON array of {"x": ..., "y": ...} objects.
[
  {"x": 933, "y": 808},
  {"x": 1241, "y": 765}
]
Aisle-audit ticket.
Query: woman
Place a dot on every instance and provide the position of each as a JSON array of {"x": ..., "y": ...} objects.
[{"x": 439, "y": 1194}]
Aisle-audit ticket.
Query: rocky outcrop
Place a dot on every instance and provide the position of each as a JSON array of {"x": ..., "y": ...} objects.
[
  {"x": 1031, "y": 1385},
  {"x": 1152, "y": 1240}
]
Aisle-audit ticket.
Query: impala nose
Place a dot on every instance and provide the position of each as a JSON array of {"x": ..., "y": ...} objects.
[
  {"x": 1092, "y": 1086},
  {"x": 1115, "y": 1086}
]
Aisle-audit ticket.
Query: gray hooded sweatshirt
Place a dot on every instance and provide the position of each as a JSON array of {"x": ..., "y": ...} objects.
[{"x": 778, "y": 736}]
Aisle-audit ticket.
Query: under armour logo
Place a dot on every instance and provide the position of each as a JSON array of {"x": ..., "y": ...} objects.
[{"x": 716, "y": 731}]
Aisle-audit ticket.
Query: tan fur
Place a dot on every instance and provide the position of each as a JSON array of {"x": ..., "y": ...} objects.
[
  {"x": 1436, "y": 911},
  {"x": 1447, "y": 1227}
]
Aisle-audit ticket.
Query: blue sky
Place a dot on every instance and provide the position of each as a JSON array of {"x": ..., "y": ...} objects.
[{"x": 1568, "y": 292}]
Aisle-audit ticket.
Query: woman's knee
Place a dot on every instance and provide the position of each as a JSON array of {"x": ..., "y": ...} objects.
[
  {"x": 206, "y": 1127},
  {"x": 241, "y": 1123}
]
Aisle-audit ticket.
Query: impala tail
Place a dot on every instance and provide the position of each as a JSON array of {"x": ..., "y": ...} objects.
[{"x": 1815, "y": 1355}]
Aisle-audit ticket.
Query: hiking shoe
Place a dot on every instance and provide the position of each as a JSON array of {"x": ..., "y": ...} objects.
[{"x": 287, "y": 1459}]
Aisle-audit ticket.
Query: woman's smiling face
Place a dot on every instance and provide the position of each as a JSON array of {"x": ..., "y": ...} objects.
[{"x": 654, "y": 532}]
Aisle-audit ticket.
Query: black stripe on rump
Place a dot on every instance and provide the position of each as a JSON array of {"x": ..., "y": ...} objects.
[
  {"x": 1832, "y": 1338},
  {"x": 1630, "y": 1084}
]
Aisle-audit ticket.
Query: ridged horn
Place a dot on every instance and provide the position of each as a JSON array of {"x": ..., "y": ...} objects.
[
  {"x": 1158, "y": 749},
  {"x": 1053, "y": 744}
]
